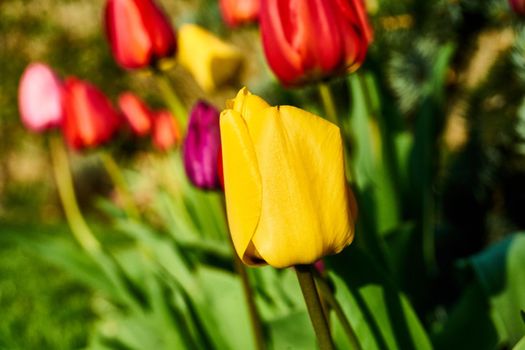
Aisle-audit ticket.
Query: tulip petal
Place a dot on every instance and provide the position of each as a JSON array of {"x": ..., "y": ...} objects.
[
  {"x": 158, "y": 27},
  {"x": 248, "y": 105},
  {"x": 242, "y": 182},
  {"x": 355, "y": 13},
  {"x": 326, "y": 54},
  {"x": 283, "y": 58},
  {"x": 40, "y": 98},
  {"x": 211, "y": 61},
  {"x": 136, "y": 113},
  {"x": 300, "y": 159},
  {"x": 127, "y": 35},
  {"x": 89, "y": 118}
]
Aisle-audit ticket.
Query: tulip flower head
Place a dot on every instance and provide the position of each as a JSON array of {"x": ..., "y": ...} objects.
[
  {"x": 307, "y": 41},
  {"x": 284, "y": 181},
  {"x": 518, "y": 6},
  {"x": 89, "y": 118},
  {"x": 201, "y": 147},
  {"x": 40, "y": 98},
  {"x": 237, "y": 12},
  {"x": 211, "y": 61},
  {"x": 139, "y": 32},
  {"x": 166, "y": 132},
  {"x": 136, "y": 113}
]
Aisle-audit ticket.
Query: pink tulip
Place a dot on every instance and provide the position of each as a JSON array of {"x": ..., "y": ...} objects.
[{"x": 40, "y": 98}]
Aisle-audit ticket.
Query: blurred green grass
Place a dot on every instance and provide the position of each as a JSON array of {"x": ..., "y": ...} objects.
[{"x": 41, "y": 306}]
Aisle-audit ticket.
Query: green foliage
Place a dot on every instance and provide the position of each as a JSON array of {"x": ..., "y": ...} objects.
[
  {"x": 500, "y": 271},
  {"x": 381, "y": 316},
  {"x": 167, "y": 281},
  {"x": 42, "y": 306}
]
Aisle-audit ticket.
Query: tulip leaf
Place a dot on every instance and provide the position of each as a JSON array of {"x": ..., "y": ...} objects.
[
  {"x": 227, "y": 307},
  {"x": 369, "y": 157},
  {"x": 520, "y": 345},
  {"x": 381, "y": 316},
  {"x": 159, "y": 325},
  {"x": 500, "y": 270},
  {"x": 293, "y": 331},
  {"x": 403, "y": 146},
  {"x": 469, "y": 324},
  {"x": 212, "y": 293},
  {"x": 203, "y": 208},
  {"x": 66, "y": 255},
  {"x": 277, "y": 292}
]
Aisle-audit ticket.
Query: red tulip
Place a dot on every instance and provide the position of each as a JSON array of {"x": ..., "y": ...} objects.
[
  {"x": 40, "y": 96},
  {"x": 166, "y": 133},
  {"x": 518, "y": 6},
  {"x": 136, "y": 113},
  {"x": 220, "y": 170},
  {"x": 311, "y": 40},
  {"x": 236, "y": 12},
  {"x": 89, "y": 118},
  {"x": 139, "y": 32}
]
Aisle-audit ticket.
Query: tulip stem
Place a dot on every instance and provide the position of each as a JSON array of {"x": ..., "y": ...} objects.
[
  {"x": 172, "y": 99},
  {"x": 120, "y": 183},
  {"x": 329, "y": 297},
  {"x": 328, "y": 102},
  {"x": 66, "y": 192},
  {"x": 248, "y": 293},
  {"x": 315, "y": 309},
  {"x": 250, "y": 301}
]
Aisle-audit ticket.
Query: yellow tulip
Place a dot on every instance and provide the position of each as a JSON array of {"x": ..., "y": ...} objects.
[
  {"x": 211, "y": 61},
  {"x": 286, "y": 194}
]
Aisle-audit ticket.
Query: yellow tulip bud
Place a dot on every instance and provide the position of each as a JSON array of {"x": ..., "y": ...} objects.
[
  {"x": 211, "y": 61},
  {"x": 286, "y": 194}
]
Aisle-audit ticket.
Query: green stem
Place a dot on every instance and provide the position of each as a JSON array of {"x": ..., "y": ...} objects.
[
  {"x": 79, "y": 227},
  {"x": 66, "y": 192},
  {"x": 328, "y": 296},
  {"x": 328, "y": 102},
  {"x": 172, "y": 99},
  {"x": 248, "y": 294},
  {"x": 250, "y": 301},
  {"x": 120, "y": 183},
  {"x": 313, "y": 304}
]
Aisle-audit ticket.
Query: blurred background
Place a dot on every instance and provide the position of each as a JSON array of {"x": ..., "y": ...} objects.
[{"x": 479, "y": 185}]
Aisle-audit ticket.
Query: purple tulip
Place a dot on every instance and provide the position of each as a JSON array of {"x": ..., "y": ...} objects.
[{"x": 201, "y": 146}]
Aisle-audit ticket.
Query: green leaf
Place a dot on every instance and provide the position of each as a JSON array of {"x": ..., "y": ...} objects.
[
  {"x": 202, "y": 208},
  {"x": 403, "y": 146},
  {"x": 72, "y": 259},
  {"x": 369, "y": 159},
  {"x": 293, "y": 331},
  {"x": 468, "y": 324},
  {"x": 520, "y": 345},
  {"x": 164, "y": 252},
  {"x": 226, "y": 305},
  {"x": 277, "y": 292},
  {"x": 381, "y": 316},
  {"x": 500, "y": 270}
]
